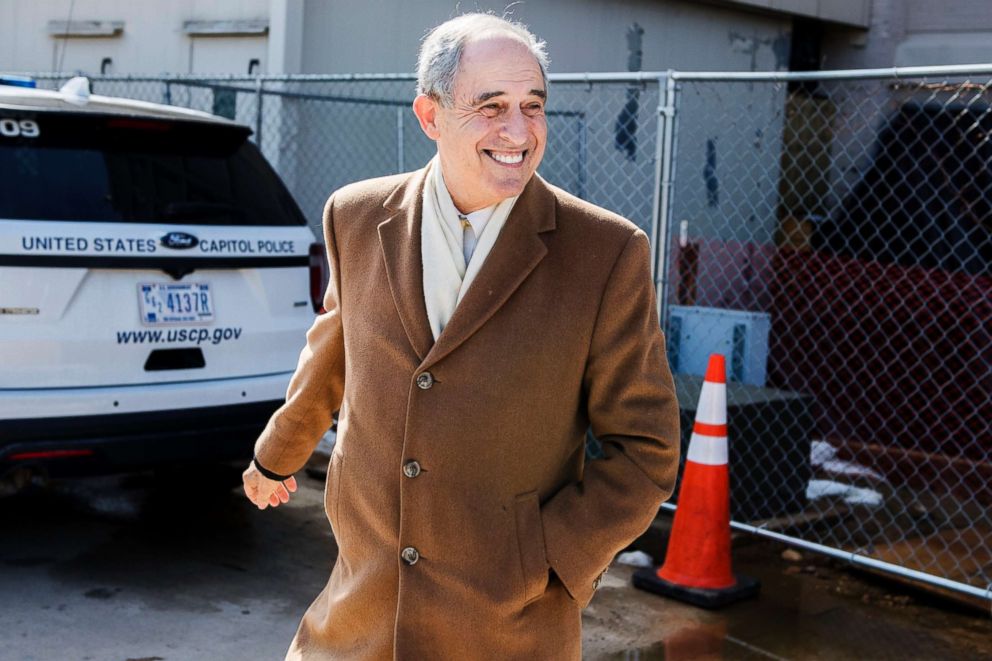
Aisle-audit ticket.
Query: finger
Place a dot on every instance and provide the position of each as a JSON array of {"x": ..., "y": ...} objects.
[
  {"x": 291, "y": 484},
  {"x": 282, "y": 494},
  {"x": 273, "y": 500}
]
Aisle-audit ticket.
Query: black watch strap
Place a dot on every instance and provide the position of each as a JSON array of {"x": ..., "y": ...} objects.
[{"x": 269, "y": 474}]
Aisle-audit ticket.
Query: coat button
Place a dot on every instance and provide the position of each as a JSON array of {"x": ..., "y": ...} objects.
[
  {"x": 410, "y": 555},
  {"x": 411, "y": 469},
  {"x": 425, "y": 380}
]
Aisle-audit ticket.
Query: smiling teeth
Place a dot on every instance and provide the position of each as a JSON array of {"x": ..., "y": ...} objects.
[{"x": 507, "y": 158}]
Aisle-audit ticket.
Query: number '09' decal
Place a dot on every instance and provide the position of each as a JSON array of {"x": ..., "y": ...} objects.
[{"x": 23, "y": 128}]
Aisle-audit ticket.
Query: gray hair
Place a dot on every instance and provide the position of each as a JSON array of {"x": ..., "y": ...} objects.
[{"x": 441, "y": 51}]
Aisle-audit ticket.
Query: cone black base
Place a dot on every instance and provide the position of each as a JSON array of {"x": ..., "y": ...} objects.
[{"x": 647, "y": 579}]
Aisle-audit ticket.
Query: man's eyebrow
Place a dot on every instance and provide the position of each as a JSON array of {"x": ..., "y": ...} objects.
[{"x": 482, "y": 97}]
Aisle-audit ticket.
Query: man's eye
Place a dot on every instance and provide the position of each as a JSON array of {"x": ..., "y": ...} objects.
[
  {"x": 490, "y": 109},
  {"x": 534, "y": 109}
]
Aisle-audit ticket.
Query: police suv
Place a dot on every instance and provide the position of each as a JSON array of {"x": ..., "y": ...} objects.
[{"x": 156, "y": 283}]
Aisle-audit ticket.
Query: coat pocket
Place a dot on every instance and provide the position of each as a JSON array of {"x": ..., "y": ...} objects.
[
  {"x": 530, "y": 542},
  {"x": 332, "y": 493}
]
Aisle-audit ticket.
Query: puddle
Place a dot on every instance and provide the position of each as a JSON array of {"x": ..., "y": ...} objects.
[
  {"x": 699, "y": 642},
  {"x": 819, "y": 612}
]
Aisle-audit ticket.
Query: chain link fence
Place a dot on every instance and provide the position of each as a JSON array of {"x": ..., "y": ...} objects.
[
  {"x": 322, "y": 132},
  {"x": 830, "y": 233}
]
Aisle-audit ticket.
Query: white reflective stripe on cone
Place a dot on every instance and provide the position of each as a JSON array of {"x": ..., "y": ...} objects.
[
  {"x": 709, "y": 450},
  {"x": 712, "y": 408}
]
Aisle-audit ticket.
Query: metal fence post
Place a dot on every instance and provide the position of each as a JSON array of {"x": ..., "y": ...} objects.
[
  {"x": 583, "y": 157},
  {"x": 664, "y": 179},
  {"x": 400, "y": 157},
  {"x": 258, "y": 111}
]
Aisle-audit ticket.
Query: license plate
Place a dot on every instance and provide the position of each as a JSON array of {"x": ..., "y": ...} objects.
[{"x": 179, "y": 303}]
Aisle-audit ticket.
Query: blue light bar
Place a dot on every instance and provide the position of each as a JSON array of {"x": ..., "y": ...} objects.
[{"x": 17, "y": 81}]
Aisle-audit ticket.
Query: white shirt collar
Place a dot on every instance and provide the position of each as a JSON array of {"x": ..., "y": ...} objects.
[{"x": 450, "y": 213}]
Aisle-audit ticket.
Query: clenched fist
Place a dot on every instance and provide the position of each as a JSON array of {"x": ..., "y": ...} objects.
[{"x": 264, "y": 492}]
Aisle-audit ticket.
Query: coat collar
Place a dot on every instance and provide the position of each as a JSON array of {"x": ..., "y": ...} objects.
[{"x": 517, "y": 251}]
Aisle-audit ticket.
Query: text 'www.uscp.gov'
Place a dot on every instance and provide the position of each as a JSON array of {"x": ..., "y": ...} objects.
[{"x": 168, "y": 336}]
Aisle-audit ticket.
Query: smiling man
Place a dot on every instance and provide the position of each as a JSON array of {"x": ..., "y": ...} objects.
[{"x": 479, "y": 322}]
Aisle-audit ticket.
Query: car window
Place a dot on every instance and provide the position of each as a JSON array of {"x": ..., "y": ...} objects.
[{"x": 100, "y": 168}]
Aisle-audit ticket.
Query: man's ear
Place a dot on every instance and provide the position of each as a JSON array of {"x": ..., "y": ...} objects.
[{"x": 425, "y": 108}]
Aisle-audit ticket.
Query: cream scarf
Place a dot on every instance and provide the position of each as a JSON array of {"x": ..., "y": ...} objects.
[{"x": 446, "y": 275}]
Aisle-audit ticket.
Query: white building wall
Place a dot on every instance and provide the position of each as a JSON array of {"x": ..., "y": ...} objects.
[
  {"x": 152, "y": 39},
  {"x": 914, "y": 33},
  {"x": 582, "y": 35},
  {"x": 850, "y": 12},
  {"x": 958, "y": 32}
]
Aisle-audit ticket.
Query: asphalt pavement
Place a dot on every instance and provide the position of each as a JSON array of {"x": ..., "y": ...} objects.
[{"x": 184, "y": 568}]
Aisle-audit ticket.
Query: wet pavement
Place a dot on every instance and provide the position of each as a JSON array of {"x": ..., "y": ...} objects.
[
  {"x": 821, "y": 611},
  {"x": 173, "y": 568}
]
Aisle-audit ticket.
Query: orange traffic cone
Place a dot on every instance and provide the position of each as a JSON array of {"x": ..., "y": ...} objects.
[{"x": 697, "y": 564}]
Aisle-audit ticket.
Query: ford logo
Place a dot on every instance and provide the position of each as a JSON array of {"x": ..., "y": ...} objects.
[{"x": 179, "y": 241}]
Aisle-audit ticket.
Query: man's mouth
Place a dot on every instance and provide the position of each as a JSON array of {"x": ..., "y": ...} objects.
[{"x": 507, "y": 157}]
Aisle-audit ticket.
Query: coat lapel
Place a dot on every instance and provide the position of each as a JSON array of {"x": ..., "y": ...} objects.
[
  {"x": 516, "y": 253},
  {"x": 400, "y": 239}
]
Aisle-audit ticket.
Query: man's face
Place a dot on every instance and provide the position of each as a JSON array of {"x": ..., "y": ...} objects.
[{"x": 491, "y": 140}]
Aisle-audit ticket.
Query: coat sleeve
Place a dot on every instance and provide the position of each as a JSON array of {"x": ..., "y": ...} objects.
[
  {"x": 317, "y": 387},
  {"x": 634, "y": 413}
]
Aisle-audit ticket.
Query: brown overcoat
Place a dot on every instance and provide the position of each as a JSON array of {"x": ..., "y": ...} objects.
[{"x": 558, "y": 332}]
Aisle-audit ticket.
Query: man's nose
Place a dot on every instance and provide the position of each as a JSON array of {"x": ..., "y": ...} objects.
[{"x": 514, "y": 128}]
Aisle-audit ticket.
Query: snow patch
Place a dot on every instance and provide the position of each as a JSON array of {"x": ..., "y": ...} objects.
[
  {"x": 635, "y": 559},
  {"x": 852, "y": 495},
  {"x": 823, "y": 455}
]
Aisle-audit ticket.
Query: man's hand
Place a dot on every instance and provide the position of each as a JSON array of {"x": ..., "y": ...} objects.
[{"x": 264, "y": 492}]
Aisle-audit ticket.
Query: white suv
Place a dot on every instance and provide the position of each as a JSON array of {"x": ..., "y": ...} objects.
[{"x": 156, "y": 283}]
